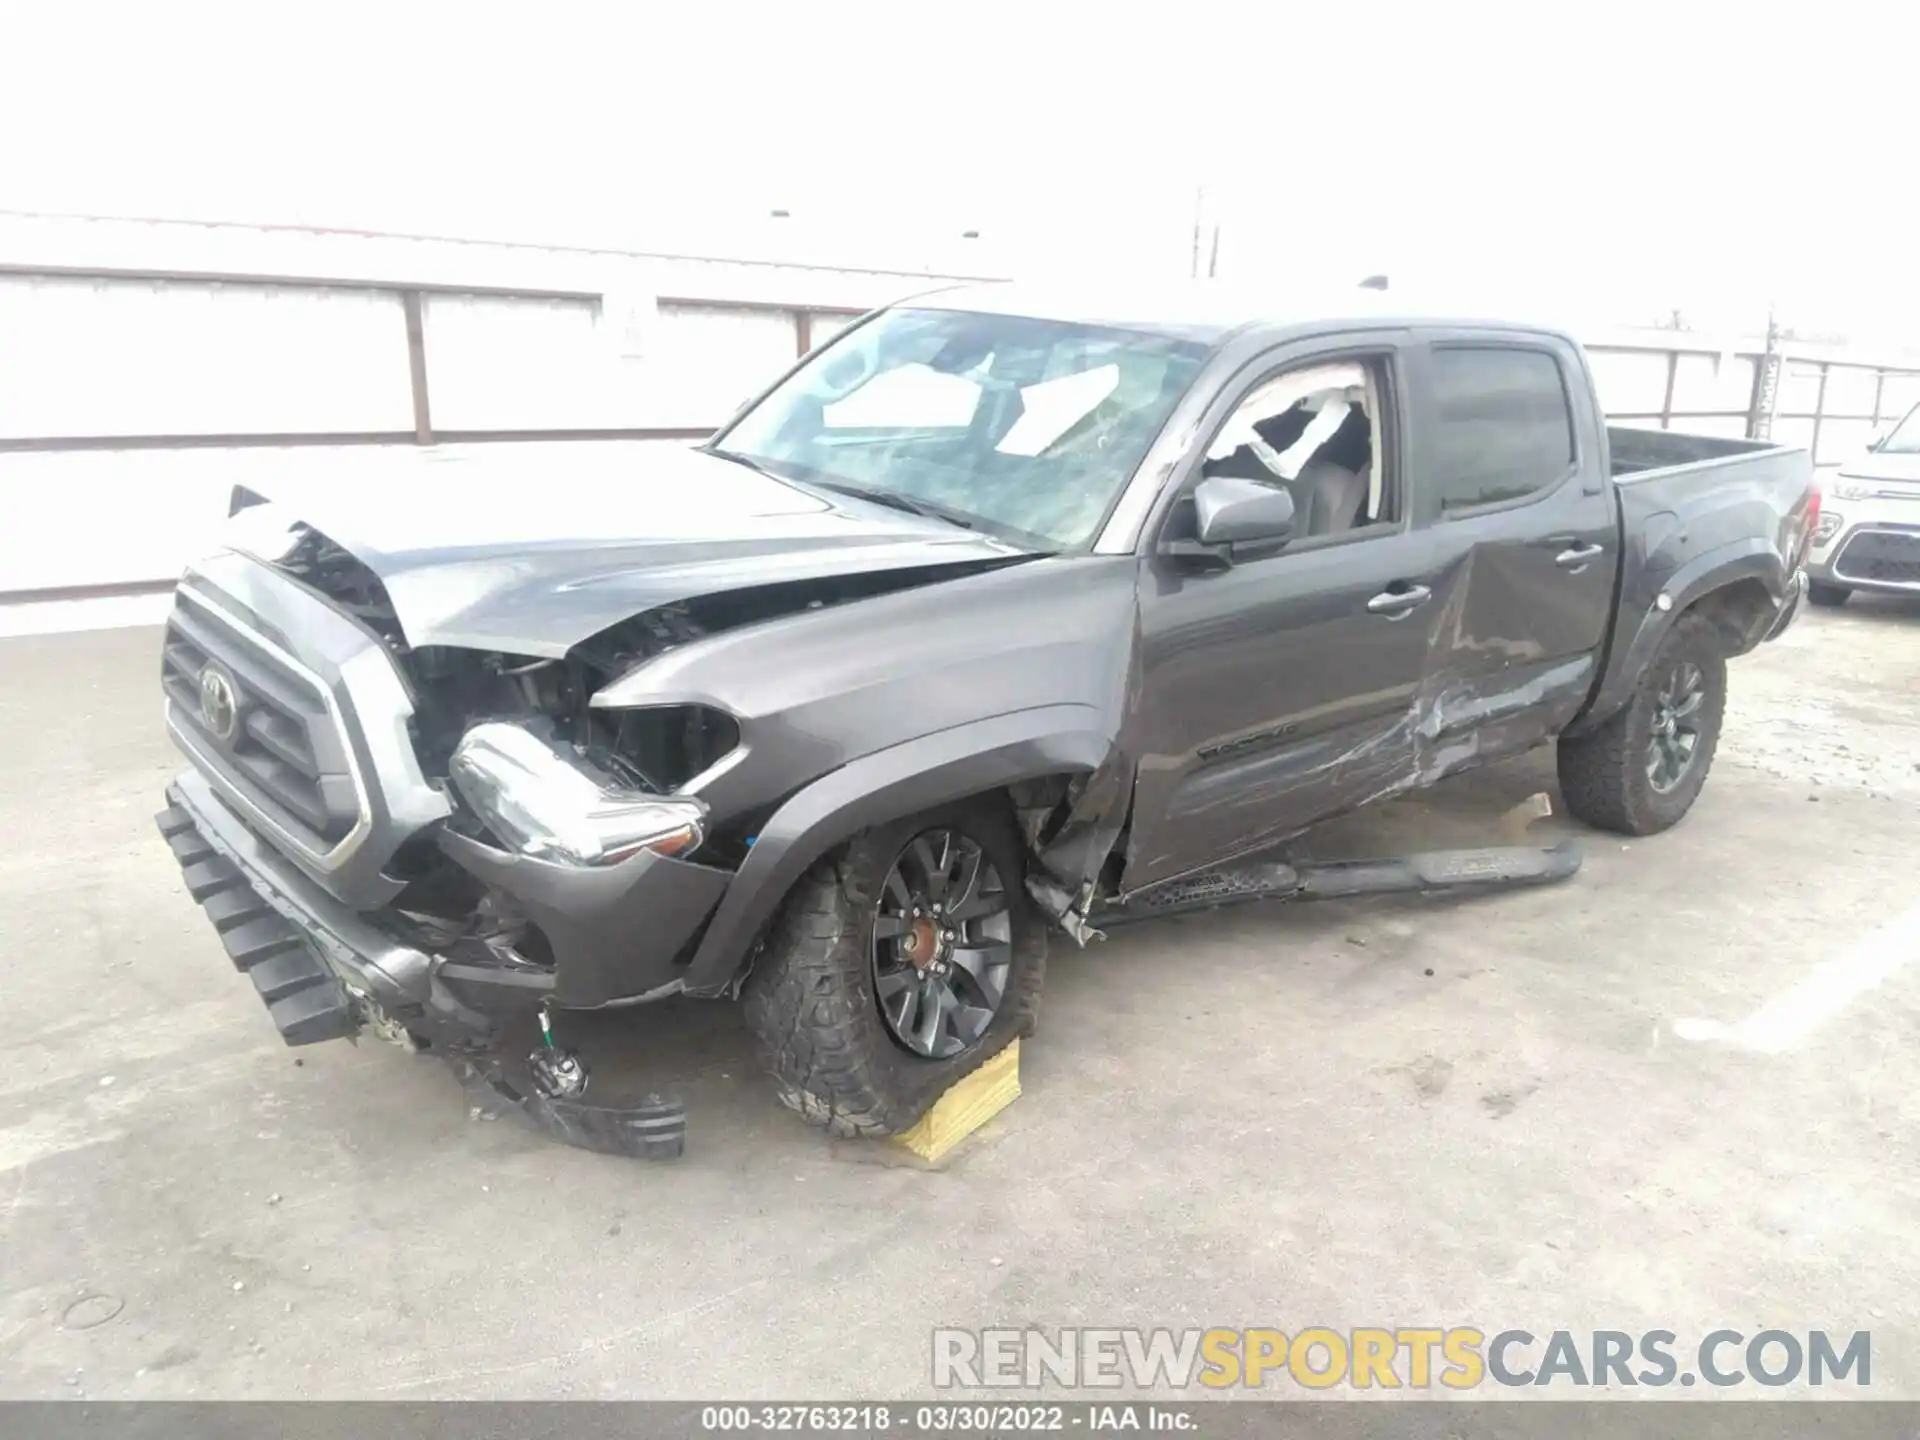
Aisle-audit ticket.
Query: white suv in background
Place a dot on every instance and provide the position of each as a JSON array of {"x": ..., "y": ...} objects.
[{"x": 1868, "y": 537}]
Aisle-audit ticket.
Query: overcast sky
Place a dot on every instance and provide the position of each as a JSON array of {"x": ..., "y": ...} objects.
[{"x": 1616, "y": 159}]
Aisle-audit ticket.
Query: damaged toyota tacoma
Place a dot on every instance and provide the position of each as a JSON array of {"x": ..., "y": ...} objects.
[{"x": 1002, "y": 615}]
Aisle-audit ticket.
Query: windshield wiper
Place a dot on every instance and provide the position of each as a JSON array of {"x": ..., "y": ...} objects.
[{"x": 894, "y": 500}]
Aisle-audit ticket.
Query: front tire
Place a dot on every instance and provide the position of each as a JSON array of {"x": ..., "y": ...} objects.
[
  {"x": 857, "y": 934},
  {"x": 1641, "y": 771},
  {"x": 1825, "y": 595}
]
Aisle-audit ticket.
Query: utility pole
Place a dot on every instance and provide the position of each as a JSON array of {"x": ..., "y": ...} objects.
[{"x": 1766, "y": 382}]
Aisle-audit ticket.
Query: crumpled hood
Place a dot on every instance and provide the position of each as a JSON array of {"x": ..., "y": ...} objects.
[{"x": 532, "y": 548}]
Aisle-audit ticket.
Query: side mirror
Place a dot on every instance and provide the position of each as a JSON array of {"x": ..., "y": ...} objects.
[
  {"x": 1879, "y": 439},
  {"x": 1231, "y": 511}
]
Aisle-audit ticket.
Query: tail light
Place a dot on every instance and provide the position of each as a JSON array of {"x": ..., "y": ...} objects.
[{"x": 1810, "y": 531}]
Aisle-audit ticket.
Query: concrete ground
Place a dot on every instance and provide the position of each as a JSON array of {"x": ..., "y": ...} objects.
[{"x": 1679, "y": 1092}]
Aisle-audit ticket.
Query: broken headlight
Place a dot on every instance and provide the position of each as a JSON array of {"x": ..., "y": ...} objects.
[{"x": 549, "y": 806}]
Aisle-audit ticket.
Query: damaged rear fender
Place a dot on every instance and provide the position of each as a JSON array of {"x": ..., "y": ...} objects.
[
  {"x": 904, "y": 779},
  {"x": 1739, "y": 586}
]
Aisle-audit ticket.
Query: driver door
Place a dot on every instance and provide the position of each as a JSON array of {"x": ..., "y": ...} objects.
[{"x": 1279, "y": 689}]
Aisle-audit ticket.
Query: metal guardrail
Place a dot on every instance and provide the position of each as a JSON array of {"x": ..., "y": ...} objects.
[
  {"x": 801, "y": 317},
  {"x": 1771, "y": 370}
]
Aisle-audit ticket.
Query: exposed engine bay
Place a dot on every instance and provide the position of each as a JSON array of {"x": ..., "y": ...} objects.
[
  {"x": 458, "y": 692},
  {"x": 453, "y": 688},
  {"x": 653, "y": 748}
]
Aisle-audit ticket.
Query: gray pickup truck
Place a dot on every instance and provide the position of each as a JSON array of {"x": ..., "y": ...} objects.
[{"x": 1002, "y": 611}]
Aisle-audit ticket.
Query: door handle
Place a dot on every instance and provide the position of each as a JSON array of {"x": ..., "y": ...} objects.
[
  {"x": 1395, "y": 603},
  {"x": 1576, "y": 556}
]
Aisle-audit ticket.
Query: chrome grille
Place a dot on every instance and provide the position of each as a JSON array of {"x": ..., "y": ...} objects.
[
  {"x": 283, "y": 749},
  {"x": 317, "y": 757}
]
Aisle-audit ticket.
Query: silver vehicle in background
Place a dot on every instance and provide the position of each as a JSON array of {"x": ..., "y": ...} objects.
[{"x": 1868, "y": 537}]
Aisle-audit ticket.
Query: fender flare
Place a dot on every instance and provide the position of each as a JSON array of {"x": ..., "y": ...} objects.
[
  {"x": 915, "y": 775},
  {"x": 1750, "y": 559}
]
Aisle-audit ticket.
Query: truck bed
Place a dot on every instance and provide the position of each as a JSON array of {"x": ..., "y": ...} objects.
[
  {"x": 1635, "y": 452},
  {"x": 1685, "y": 499},
  {"x": 1699, "y": 511}
]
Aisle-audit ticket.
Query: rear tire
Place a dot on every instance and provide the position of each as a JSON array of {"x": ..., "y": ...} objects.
[
  {"x": 812, "y": 1000},
  {"x": 1825, "y": 595},
  {"x": 1627, "y": 775}
]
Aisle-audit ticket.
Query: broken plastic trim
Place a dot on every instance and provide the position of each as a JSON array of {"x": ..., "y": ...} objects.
[
  {"x": 1061, "y": 908},
  {"x": 655, "y": 1129}
]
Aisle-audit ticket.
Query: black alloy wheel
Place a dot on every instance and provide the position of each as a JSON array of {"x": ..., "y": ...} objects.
[
  {"x": 1638, "y": 771},
  {"x": 942, "y": 944},
  {"x": 866, "y": 1012},
  {"x": 1674, "y": 737}
]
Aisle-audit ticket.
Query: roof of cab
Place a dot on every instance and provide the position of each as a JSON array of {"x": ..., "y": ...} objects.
[{"x": 1209, "y": 310}]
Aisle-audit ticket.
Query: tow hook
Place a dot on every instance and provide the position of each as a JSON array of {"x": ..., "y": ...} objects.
[{"x": 557, "y": 1074}]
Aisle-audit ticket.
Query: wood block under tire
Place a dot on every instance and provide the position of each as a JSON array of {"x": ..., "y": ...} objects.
[{"x": 966, "y": 1107}]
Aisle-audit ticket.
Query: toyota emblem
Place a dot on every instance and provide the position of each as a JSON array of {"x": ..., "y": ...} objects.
[{"x": 219, "y": 704}]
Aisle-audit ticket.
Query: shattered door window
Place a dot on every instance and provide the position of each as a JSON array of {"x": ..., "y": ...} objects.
[{"x": 1313, "y": 432}]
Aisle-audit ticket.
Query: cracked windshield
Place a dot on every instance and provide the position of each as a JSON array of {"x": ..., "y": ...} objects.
[{"x": 1025, "y": 428}]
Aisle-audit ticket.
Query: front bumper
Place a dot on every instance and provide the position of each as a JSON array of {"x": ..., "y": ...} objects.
[
  {"x": 1881, "y": 556},
  {"x": 324, "y": 972},
  {"x": 618, "y": 935},
  {"x": 321, "y": 970}
]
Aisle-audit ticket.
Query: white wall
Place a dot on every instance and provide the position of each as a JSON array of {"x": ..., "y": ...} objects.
[
  {"x": 110, "y": 517},
  {"x": 103, "y": 357},
  {"x": 100, "y": 357},
  {"x": 150, "y": 344},
  {"x": 503, "y": 363},
  {"x": 121, "y": 358},
  {"x": 88, "y": 518}
]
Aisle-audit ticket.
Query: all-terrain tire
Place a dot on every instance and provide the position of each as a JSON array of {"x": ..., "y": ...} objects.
[
  {"x": 1603, "y": 773},
  {"x": 1825, "y": 595},
  {"x": 810, "y": 999}
]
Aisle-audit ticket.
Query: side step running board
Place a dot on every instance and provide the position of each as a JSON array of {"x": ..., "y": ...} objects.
[{"x": 1493, "y": 867}]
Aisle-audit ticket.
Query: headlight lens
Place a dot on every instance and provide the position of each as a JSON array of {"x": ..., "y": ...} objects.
[
  {"x": 1844, "y": 489},
  {"x": 546, "y": 806},
  {"x": 1831, "y": 523}
]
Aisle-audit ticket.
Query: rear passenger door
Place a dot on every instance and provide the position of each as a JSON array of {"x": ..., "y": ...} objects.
[{"x": 1512, "y": 476}]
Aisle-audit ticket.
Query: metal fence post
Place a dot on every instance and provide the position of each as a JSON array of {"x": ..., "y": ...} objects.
[
  {"x": 1819, "y": 413},
  {"x": 417, "y": 366}
]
